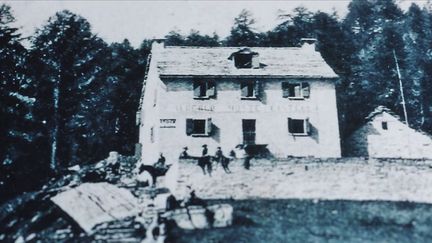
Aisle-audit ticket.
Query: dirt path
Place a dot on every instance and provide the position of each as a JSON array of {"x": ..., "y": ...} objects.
[{"x": 351, "y": 179}]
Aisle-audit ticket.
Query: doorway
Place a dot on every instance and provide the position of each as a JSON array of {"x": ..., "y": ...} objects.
[{"x": 249, "y": 131}]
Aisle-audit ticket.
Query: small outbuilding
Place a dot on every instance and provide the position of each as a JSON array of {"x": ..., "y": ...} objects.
[{"x": 384, "y": 135}]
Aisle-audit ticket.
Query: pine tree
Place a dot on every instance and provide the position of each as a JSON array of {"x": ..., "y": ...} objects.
[
  {"x": 22, "y": 167},
  {"x": 196, "y": 39},
  {"x": 174, "y": 38},
  {"x": 417, "y": 43},
  {"x": 242, "y": 33},
  {"x": 375, "y": 29},
  {"x": 297, "y": 25},
  {"x": 127, "y": 66},
  {"x": 335, "y": 45},
  {"x": 71, "y": 78}
]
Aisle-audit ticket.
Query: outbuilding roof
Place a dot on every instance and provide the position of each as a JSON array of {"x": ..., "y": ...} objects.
[
  {"x": 91, "y": 204},
  {"x": 301, "y": 62},
  {"x": 379, "y": 110}
]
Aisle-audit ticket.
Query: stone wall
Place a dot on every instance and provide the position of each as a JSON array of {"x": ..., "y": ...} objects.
[{"x": 306, "y": 178}]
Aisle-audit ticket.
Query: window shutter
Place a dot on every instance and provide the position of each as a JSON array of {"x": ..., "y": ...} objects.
[
  {"x": 138, "y": 118},
  {"x": 255, "y": 61},
  {"x": 306, "y": 90},
  {"x": 197, "y": 88},
  {"x": 297, "y": 90},
  {"x": 211, "y": 89},
  {"x": 244, "y": 89},
  {"x": 189, "y": 126},
  {"x": 307, "y": 126},
  {"x": 289, "y": 125},
  {"x": 209, "y": 126},
  {"x": 257, "y": 88},
  {"x": 285, "y": 89}
]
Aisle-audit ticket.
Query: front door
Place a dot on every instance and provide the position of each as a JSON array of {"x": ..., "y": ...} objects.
[{"x": 249, "y": 131}]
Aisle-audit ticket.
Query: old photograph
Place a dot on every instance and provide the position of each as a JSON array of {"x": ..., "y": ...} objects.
[{"x": 215, "y": 121}]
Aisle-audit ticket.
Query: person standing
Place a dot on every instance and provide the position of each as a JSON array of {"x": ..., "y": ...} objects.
[
  {"x": 184, "y": 154},
  {"x": 247, "y": 159},
  {"x": 206, "y": 160},
  {"x": 224, "y": 161}
]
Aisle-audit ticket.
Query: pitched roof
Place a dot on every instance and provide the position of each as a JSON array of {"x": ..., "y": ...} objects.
[
  {"x": 213, "y": 61},
  {"x": 379, "y": 110}
]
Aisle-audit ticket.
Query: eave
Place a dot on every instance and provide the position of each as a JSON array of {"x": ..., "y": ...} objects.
[{"x": 249, "y": 76}]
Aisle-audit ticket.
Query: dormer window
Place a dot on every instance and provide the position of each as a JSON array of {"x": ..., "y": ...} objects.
[
  {"x": 243, "y": 61},
  {"x": 245, "y": 58}
]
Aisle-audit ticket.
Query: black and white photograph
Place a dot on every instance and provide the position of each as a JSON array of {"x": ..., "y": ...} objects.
[{"x": 215, "y": 121}]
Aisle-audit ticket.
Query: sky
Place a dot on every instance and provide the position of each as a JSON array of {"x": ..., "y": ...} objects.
[{"x": 138, "y": 20}]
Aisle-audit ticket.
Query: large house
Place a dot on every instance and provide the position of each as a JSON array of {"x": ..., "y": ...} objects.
[{"x": 281, "y": 100}]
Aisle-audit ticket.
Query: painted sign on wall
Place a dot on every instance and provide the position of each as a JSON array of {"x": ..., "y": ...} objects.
[
  {"x": 167, "y": 123},
  {"x": 247, "y": 108}
]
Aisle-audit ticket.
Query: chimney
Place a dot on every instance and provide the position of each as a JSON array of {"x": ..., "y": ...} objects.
[
  {"x": 158, "y": 43},
  {"x": 308, "y": 43}
]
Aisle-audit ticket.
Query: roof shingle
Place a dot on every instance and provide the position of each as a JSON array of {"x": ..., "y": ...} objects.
[{"x": 213, "y": 61}]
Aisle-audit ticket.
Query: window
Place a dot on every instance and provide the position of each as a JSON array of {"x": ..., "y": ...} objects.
[
  {"x": 243, "y": 61},
  {"x": 295, "y": 90},
  {"x": 250, "y": 90},
  {"x": 245, "y": 58},
  {"x": 198, "y": 127},
  {"x": 384, "y": 125},
  {"x": 298, "y": 126},
  {"x": 204, "y": 89}
]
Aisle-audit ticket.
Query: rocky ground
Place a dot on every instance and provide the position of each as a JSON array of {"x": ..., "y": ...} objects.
[
  {"x": 294, "y": 220},
  {"x": 308, "y": 178},
  {"x": 298, "y": 199}
]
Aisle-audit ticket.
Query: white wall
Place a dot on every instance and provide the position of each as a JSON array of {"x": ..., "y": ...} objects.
[
  {"x": 150, "y": 112},
  {"x": 175, "y": 101},
  {"x": 399, "y": 141}
]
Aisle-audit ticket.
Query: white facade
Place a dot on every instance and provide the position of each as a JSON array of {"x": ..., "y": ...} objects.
[
  {"x": 170, "y": 104},
  {"x": 385, "y": 136}
]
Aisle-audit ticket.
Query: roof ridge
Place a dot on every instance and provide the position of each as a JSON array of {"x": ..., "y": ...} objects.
[{"x": 379, "y": 110}]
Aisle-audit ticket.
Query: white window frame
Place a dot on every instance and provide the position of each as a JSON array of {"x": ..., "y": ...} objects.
[
  {"x": 301, "y": 95},
  {"x": 255, "y": 86},
  {"x": 306, "y": 127},
  {"x": 207, "y": 84},
  {"x": 207, "y": 127}
]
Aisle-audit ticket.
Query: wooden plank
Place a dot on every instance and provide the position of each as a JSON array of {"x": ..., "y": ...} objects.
[{"x": 93, "y": 203}]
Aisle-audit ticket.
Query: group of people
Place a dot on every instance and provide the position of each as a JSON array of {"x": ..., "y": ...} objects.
[{"x": 205, "y": 160}]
